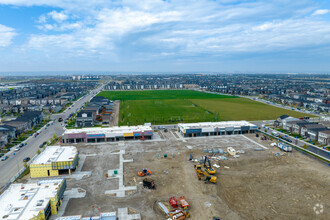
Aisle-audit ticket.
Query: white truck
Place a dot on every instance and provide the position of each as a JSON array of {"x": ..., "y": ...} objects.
[
  {"x": 275, "y": 133},
  {"x": 284, "y": 147}
]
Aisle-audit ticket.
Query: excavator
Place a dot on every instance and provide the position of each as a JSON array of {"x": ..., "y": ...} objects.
[
  {"x": 144, "y": 172},
  {"x": 201, "y": 173},
  {"x": 208, "y": 167}
]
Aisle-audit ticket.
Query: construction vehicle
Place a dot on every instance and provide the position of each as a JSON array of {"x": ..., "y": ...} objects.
[
  {"x": 177, "y": 214},
  {"x": 201, "y": 173},
  {"x": 149, "y": 183},
  {"x": 144, "y": 172},
  {"x": 173, "y": 202},
  {"x": 185, "y": 205},
  {"x": 208, "y": 166},
  {"x": 209, "y": 178},
  {"x": 183, "y": 202}
]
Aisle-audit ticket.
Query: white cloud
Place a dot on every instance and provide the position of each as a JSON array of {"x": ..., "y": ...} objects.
[
  {"x": 58, "y": 16},
  {"x": 54, "y": 15},
  {"x": 6, "y": 35},
  {"x": 108, "y": 26},
  {"x": 177, "y": 27},
  {"x": 321, "y": 12}
]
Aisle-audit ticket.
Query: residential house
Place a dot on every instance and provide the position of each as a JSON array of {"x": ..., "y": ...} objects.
[
  {"x": 21, "y": 126},
  {"x": 307, "y": 127},
  {"x": 286, "y": 120},
  {"x": 3, "y": 139},
  {"x": 85, "y": 119},
  {"x": 297, "y": 125},
  {"x": 10, "y": 130},
  {"x": 324, "y": 137},
  {"x": 313, "y": 133},
  {"x": 290, "y": 125},
  {"x": 32, "y": 117}
]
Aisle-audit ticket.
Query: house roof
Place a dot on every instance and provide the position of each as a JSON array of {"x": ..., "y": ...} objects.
[
  {"x": 325, "y": 131},
  {"x": 312, "y": 126},
  {"x": 8, "y": 127},
  {"x": 318, "y": 129},
  {"x": 284, "y": 116}
]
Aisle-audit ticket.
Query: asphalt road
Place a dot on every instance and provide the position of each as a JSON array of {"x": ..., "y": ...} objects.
[
  {"x": 317, "y": 150},
  {"x": 281, "y": 106},
  {"x": 14, "y": 163}
]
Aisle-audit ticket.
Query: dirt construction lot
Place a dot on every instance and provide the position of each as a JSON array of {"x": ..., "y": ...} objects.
[{"x": 257, "y": 185}]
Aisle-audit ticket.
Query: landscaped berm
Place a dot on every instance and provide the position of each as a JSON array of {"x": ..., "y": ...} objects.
[{"x": 173, "y": 106}]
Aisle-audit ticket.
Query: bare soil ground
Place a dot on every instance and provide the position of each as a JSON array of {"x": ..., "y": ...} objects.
[
  {"x": 257, "y": 185},
  {"x": 115, "y": 113}
]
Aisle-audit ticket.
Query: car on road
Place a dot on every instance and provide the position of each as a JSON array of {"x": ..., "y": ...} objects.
[
  {"x": 4, "y": 158},
  {"x": 26, "y": 159},
  {"x": 21, "y": 145},
  {"x": 17, "y": 148},
  {"x": 43, "y": 144}
]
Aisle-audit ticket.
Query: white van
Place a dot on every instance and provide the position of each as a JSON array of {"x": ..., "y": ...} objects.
[{"x": 275, "y": 133}]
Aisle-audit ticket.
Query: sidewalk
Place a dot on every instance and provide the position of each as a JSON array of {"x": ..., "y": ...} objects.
[{"x": 301, "y": 148}]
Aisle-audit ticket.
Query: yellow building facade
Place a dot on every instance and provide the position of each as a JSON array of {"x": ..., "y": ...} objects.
[
  {"x": 54, "y": 161},
  {"x": 37, "y": 201}
]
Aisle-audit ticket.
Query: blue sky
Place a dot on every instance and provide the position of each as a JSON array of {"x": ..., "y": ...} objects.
[{"x": 165, "y": 35}]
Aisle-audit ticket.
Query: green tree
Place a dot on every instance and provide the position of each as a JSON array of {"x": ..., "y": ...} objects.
[
  {"x": 305, "y": 146},
  {"x": 38, "y": 152}
]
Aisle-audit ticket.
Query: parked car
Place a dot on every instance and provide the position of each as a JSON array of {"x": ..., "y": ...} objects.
[
  {"x": 21, "y": 145},
  {"x": 26, "y": 159},
  {"x": 4, "y": 158},
  {"x": 17, "y": 148},
  {"x": 43, "y": 144}
]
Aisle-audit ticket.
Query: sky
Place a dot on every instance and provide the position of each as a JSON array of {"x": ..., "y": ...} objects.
[{"x": 165, "y": 35}]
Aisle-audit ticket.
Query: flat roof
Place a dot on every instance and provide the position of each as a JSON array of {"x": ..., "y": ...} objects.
[
  {"x": 24, "y": 201},
  {"x": 56, "y": 154},
  {"x": 98, "y": 130},
  {"x": 105, "y": 216},
  {"x": 221, "y": 124}
]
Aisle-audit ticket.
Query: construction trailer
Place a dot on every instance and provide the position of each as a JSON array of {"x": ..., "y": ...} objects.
[
  {"x": 54, "y": 161},
  {"x": 284, "y": 147},
  {"x": 33, "y": 201},
  {"x": 216, "y": 128}
]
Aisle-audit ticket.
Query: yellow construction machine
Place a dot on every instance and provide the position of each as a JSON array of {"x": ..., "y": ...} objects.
[
  {"x": 199, "y": 171},
  {"x": 208, "y": 166},
  {"x": 207, "y": 177}
]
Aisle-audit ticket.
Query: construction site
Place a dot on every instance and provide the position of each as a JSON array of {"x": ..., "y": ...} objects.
[{"x": 218, "y": 177}]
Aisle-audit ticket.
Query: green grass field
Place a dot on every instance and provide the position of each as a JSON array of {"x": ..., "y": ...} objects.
[
  {"x": 160, "y": 94},
  {"x": 173, "y": 106}
]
